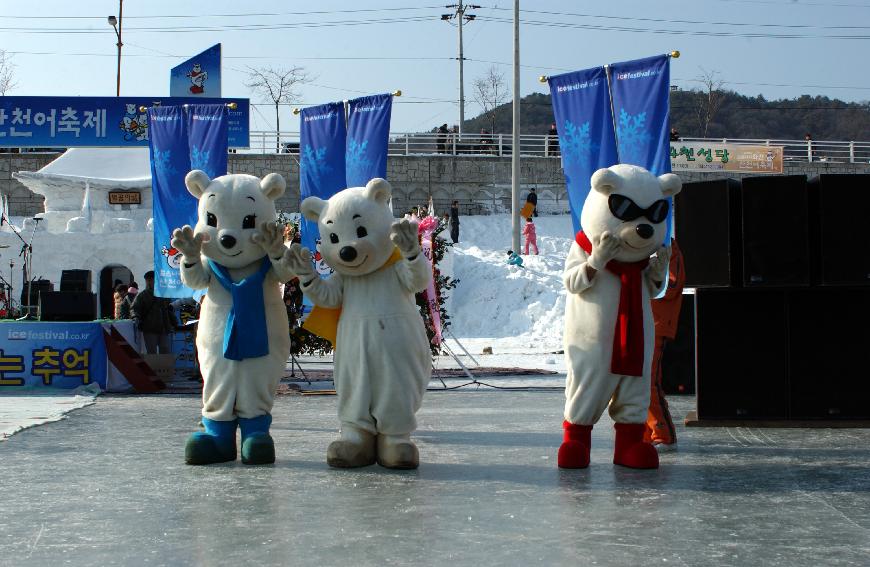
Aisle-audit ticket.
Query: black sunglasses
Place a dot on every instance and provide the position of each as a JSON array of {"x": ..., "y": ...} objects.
[{"x": 625, "y": 209}]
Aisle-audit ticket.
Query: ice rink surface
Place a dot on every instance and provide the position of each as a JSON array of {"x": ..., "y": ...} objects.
[{"x": 108, "y": 486}]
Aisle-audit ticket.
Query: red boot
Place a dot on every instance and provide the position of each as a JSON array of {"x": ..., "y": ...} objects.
[
  {"x": 574, "y": 452},
  {"x": 630, "y": 450}
]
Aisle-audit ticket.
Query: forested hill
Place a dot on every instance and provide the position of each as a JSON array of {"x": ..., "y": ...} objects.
[{"x": 739, "y": 116}]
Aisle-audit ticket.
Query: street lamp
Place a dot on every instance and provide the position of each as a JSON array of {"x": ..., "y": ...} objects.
[{"x": 116, "y": 25}]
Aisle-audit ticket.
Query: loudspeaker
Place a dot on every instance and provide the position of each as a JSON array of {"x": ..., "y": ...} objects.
[
  {"x": 741, "y": 353},
  {"x": 75, "y": 280},
  {"x": 707, "y": 226},
  {"x": 67, "y": 306},
  {"x": 775, "y": 231},
  {"x": 836, "y": 235},
  {"x": 678, "y": 360},
  {"x": 28, "y": 298},
  {"x": 829, "y": 337}
]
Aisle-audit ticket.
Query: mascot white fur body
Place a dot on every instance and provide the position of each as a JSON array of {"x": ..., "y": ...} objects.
[
  {"x": 382, "y": 356},
  {"x": 236, "y": 241},
  {"x": 609, "y": 332}
]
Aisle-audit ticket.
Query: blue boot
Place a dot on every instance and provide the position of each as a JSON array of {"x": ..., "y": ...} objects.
[
  {"x": 257, "y": 445},
  {"x": 217, "y": 444}
]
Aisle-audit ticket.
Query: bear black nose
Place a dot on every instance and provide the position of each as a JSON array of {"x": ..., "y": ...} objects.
[
  {"x": 348, "y": 253},
  {"x": 645, "y": 231},
  {"x": 228, "y": 241}
]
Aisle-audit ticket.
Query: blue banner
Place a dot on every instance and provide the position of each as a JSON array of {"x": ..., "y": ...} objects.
[
  {"x": 641, "y": 102},
  {"x": 581, "y": 106},
  {"x": 207, "y": 126},
  {"x": 321, "y": 164},
  {"x": 368, "y": 137},
  {"x": 79, "y": 121},
  {"x": 173, "y": 206},
  {"x": 59, "y": 355},
  {"x": 199, "y": 76}
]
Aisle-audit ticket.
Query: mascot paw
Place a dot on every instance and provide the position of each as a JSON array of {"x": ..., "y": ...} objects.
[
  {"x": 217, "y": 444},
  {"x": 397, "y": 453},
  {"x": 353, "y": 450},
  {"x": 631, "y": 450},
  {"x": 258, "y": 449},
  {"x": 574, "y": 451}
]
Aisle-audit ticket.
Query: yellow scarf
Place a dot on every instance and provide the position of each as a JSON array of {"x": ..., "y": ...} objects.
[{"x": 323, "y": 321}]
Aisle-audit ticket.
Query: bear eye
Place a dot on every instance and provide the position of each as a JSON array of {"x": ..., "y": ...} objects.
[
  {"x": 249, "y": 221},
  {"x": 210, "y": 219},
  {"x": 361, "y": 232},
  {"x": 333, "y": 238}
]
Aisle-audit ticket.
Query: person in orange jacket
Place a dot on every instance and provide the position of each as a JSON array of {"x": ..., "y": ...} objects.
[{"x": 666, "y": 315}]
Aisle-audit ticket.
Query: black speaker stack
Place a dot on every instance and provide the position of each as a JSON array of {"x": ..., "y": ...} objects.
[
  {"x": 67, "y": 306},
  {"x": 782, "y": 296}
]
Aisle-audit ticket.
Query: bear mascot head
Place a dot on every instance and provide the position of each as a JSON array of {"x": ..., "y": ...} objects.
[
  {"x": 355, "y": 226},
  {"x": 631, "y": 204},
  {"x": 232, "y": 209}
]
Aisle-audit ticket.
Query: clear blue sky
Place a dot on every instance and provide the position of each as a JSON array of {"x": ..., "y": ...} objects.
[{"x": 778, "y": 48}]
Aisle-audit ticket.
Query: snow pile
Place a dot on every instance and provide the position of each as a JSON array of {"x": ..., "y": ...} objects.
[{"x": 518, "y": 310}]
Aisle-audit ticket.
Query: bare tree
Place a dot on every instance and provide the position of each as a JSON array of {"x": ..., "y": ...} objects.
[
  {"x": 490, "y": 92},
  {"x": 710, "y": 98},
  {"x": 7, "y": 74},
  {"x": 280, "y": 86}
]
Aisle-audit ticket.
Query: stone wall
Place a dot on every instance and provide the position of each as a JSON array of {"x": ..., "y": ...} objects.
[{"x": 481, "y": 184}]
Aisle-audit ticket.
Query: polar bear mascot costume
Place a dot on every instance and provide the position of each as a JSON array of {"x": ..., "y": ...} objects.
[
  {"x": 609, "y": 334},
  {"x": 382, "y": 357},
  {"x": 236, "y": 252}
]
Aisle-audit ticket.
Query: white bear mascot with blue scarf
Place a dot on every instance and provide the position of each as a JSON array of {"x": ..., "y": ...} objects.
[{"x": 236, "y": 252}]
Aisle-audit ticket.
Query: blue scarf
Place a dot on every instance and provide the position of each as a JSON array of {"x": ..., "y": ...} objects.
[{"x": 245, "y": 334}]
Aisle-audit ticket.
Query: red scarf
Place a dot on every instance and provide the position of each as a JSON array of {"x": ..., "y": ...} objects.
[{"x": 627, "y": 358}]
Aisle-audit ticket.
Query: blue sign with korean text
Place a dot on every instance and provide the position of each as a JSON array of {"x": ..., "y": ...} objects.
[
  {"x": 581, "y": 107},
  {"x": 75, "y": 122},
  {"x": 368, "y": 137},
  {"x": 199, "y": 76},
  {"x": 59, "y": 355}
]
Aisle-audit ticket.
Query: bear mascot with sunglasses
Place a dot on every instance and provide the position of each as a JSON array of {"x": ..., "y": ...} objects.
[{"x": 611, "y": 274}]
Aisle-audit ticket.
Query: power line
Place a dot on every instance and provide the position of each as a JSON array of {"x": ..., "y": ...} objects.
[{"x": 239, "y": 15}]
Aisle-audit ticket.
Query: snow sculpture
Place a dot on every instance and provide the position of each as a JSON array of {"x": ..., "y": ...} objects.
[
  {"x": 237, "y": 252},
  {"x": 609, "y": 336},
  {"x": 382, "y": 364}
]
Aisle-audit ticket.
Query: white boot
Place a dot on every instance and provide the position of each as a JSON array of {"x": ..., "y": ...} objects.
[
  {"x": 397, "y": 452},
  {"x": 354, "y": 448}
]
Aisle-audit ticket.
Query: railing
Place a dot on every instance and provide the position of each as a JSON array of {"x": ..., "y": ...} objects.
[{"x": 536, "y": 145}]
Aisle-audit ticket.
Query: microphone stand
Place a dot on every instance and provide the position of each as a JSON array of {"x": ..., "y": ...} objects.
[{"x": 27, "y": 252}]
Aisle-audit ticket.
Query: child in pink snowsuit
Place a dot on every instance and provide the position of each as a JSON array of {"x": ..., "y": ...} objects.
[{"x": 531, "y": 238}]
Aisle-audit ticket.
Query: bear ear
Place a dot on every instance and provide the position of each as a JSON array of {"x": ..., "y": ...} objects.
[
  {"x": 379, "y": 190},
  {"x": 312, "y": 208},
  {"x": 197, "y": 182},
  {"x": 273, "y": 186},
  {"x": 605, "y": 181},
  {"x": 670, "y": 183}
]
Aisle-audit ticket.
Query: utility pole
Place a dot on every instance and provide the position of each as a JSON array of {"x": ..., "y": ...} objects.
[
  {"x": 515, "y": 144},
  {"x": 460, "y": 15},
  {"x": 116, "y": 25}
]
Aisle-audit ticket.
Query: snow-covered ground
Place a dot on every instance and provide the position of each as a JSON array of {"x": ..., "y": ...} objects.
[
  {"x": 34, "y": 407},
  {"x": 519, "y": 312}
]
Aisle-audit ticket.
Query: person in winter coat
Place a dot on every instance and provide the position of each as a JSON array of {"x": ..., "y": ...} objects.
[
  {"x": 514, "y": 259},
  {"x": 119, "y": 296},
  {"x": 153, "y": 317},
  {"x": 530, "y": 236},
  {"x": 532, "y": 198},
  {"x": 454, "y": 222}
]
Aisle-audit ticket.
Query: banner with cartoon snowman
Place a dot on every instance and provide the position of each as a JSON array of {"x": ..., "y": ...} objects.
[
  {"x": 581, "y": 107},
  {"x": 180, "y": 140},
  {"x": 321, "y": 165},
  {"x": 368, "y": 138},
  {"x": 198, "y": 76}
]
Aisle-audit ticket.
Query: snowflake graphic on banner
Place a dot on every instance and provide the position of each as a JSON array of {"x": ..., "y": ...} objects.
[
  {"x": 163, "y": 162},
  {"x": 314, "y": 162},
  {"x": 357, "y": 165},
  {"x": 632, "y": 137},
  {"x": 575, "y": 142},
  {"x": 199, "y": 160}
]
